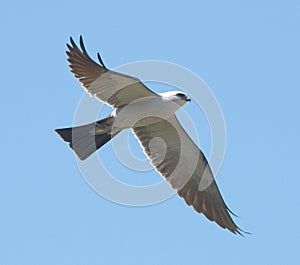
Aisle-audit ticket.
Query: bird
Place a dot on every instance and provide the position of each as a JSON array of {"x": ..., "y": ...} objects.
[{"x": 151, "y": 117}]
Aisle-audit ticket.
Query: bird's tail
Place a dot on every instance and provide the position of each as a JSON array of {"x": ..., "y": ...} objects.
[{"x": 86, "y": 139}]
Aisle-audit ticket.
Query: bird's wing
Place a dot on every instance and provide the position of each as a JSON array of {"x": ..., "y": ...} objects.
[
  {"x": 113, "y": 88},
  {"x": 177, "y": 158}
]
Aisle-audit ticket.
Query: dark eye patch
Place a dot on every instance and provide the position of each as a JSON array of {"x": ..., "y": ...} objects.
[{"x": 181, "y": 95}]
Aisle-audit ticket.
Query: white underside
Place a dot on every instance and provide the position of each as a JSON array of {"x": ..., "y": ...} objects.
[{"x": 134, "y": 114}]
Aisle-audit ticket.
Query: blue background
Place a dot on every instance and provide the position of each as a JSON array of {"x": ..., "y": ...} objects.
[{"x": 249, "y": 55}]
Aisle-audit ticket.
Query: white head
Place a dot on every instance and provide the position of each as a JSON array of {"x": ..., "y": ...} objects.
[{"x": 177, "y": 97}]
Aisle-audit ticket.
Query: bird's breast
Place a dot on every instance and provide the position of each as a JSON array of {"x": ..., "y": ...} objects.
[{"x": 144, "y": 112}]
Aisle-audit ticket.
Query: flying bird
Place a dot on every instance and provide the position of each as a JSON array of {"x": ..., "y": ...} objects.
[{"x": 151, "y": 116}]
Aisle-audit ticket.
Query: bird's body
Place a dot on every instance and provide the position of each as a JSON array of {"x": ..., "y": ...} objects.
[
  {"x": 164, "y": 105},
  {"x": 152, "y": 118}
]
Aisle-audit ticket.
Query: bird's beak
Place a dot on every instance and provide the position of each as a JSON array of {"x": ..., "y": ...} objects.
[{"x": 189, "y": 99}]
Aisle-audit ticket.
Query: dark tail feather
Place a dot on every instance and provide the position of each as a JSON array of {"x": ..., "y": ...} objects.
[{"x": 84, "y": 140}]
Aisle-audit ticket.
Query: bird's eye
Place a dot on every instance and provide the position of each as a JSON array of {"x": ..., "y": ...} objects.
[{"x": 181, "y": 95}]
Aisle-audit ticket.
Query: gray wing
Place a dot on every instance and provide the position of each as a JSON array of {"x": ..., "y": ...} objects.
[
  {"x": 177, "y": 158},
  {"x": 113, "y": 88}
]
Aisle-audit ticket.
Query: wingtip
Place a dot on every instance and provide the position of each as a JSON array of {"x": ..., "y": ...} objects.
[
  {"x": 241, "y": 232},
  {"x": 232, "y": 212},
  {"x": 101, "y": 61},
  {"x": 81, "y": 42},
  {"x": 72, "y": 42},
  {"x": 69, "y": 48}
]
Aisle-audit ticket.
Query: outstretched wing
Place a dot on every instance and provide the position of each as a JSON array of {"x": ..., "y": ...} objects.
[
  {"x": 113, "y": 88},
  {"x": 177, "y": 158}
]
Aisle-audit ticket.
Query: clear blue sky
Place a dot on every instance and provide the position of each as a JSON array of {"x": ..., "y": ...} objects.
[{"x": 249, "y": 55}]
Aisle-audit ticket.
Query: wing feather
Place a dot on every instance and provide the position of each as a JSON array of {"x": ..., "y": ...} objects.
[
  {"x": 111, "y": 87},
  {"x": 184, "y": 166}
]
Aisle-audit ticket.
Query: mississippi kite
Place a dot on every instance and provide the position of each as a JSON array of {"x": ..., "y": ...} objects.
[{"x": 151, "y": 116}]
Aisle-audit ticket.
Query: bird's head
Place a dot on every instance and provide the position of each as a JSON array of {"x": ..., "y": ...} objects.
[{"x": 177, "y": 97}]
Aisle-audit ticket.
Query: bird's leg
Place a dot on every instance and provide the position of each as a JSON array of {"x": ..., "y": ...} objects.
[
  {"x": 101, "y": 128},
  {"x": 104, "y": 126}
]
